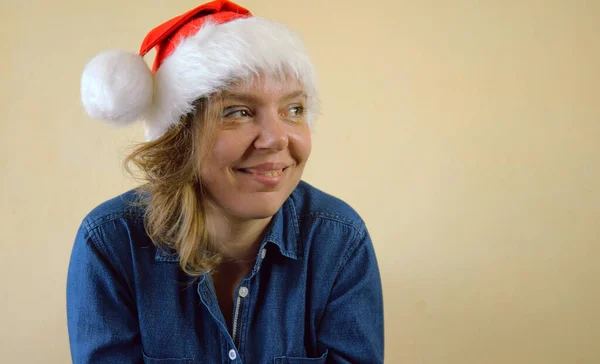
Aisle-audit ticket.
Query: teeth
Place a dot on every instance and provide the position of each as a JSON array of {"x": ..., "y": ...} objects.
[{"x": 272, "y": 174}]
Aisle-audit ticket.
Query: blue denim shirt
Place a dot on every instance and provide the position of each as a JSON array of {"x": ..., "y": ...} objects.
[{"x": 313, "y": 296}]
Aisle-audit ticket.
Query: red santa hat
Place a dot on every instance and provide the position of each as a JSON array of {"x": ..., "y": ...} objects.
[{"x": 197, "y": 54}]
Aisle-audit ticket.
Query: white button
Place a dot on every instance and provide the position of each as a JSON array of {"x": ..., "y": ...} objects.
[
  {"x": 232, "y": 354},
  {"x": 243, "y": 292},
  {"x": 263, "y": 253}
]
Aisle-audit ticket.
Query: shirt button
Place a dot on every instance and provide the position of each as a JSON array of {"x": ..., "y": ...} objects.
[
  {"x": 263, "y": 253},
  {"x": 232, "y": 354},
  {"x": 243, "y": 292}
]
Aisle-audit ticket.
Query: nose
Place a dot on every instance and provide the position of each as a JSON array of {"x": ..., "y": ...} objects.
[{"x": 272, "y": 133}]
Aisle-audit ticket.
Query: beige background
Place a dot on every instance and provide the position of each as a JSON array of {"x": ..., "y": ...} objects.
[{"x": 466, "y": 133}]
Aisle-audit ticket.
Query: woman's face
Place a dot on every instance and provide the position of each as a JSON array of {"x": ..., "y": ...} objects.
[{"x": 259, "y": 149}]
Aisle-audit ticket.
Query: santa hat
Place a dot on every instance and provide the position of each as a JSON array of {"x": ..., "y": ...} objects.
[{"x": 197, "y": 54}]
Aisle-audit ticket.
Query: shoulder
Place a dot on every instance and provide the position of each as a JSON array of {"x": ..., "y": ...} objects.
[
  {"x": 312, "y": 203},
  {"x": 113, "y": 234},
  {"x": 330, "y": 231},
  {"x": 328, "y": 226},
  {"x": 115, "y": 226},
  {"x": 109, "y": 240},
  {"x": 125, "y": 206}
]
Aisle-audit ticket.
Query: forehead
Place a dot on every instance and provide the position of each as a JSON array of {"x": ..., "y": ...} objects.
[{"x": 264, "y": 86}]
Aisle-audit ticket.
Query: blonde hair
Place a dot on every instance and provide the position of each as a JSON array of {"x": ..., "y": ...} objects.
[{"x": 172, "y": 194}]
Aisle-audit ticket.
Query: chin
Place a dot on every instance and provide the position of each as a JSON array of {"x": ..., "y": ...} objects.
[{"x": 257, "y": 207}]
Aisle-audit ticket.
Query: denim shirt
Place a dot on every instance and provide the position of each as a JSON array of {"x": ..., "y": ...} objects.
[{"x": 313, "y": 296}]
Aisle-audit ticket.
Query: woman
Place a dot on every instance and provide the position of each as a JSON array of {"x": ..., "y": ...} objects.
[{"x": 223, "y": 254}]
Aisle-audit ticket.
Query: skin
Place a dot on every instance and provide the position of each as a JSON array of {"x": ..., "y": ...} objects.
[{"x": 256, "y": 160}]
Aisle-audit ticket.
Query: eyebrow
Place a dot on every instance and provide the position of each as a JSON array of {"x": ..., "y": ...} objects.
[{"x": 251, "y": 98}]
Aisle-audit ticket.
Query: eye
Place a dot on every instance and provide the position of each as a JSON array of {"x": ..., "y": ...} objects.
[
  {"x": 235, "y": 112},
  {"x": 296, "y": 110}
]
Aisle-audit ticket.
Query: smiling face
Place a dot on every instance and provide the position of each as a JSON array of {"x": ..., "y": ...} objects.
[{"x": 259, "y": 149}]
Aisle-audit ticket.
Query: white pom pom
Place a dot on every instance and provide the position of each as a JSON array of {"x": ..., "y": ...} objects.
[{"x": 116, "y": 86}]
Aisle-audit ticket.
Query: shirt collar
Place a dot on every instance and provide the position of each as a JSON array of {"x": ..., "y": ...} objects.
[{"x": 283, "y": 231}]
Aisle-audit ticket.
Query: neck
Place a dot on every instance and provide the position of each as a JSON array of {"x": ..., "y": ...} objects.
[{"x": 236, "y": 239}]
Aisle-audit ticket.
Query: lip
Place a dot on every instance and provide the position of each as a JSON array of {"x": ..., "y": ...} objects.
[
  {"x": 265, "y": 167},
  {"x": 270, "y": 174}
]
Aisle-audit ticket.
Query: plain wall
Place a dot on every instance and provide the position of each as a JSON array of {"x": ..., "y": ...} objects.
[{"x": 466, "y": 133}]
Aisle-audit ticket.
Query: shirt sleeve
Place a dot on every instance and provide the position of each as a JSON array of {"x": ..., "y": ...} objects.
[
  {"x": 351, "y": 329},
  {"x": 101, "y": 314}
]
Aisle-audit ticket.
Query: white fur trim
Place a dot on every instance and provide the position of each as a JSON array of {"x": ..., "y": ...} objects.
[
  {"x": 208, "y": 61},
  {"x": 117, "y": 87}
]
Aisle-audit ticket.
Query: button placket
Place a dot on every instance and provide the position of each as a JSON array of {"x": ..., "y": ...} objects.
[
  {"x": 232, "y": 354},
  {"x": 242, "y": 294}
]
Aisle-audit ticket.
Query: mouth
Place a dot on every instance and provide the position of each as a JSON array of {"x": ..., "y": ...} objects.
[
  {"x": 271, "y": 176},
  {"x": 262, "y": 172}
]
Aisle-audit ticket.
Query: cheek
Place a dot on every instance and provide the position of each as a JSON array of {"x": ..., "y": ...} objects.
[
  {"x": 301, "y": 144},
  {"x": 225, "y": 151}
]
